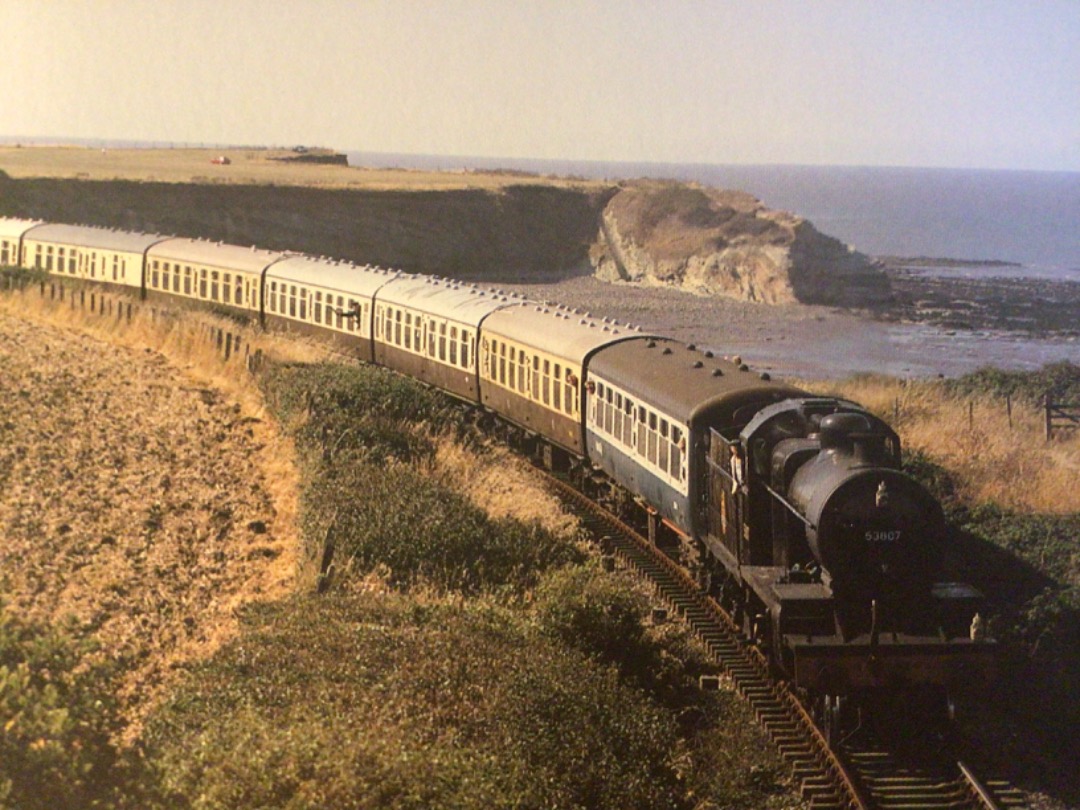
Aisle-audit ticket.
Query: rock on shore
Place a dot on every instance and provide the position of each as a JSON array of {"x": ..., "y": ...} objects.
[{"x": 715, "y": 242}]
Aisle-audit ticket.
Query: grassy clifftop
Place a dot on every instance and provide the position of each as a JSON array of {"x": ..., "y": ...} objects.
[{"x": 483, "y": 226}]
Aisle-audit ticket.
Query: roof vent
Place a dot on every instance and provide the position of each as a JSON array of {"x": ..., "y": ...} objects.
[
  {"x": 650, "y": 344},
  {"x": 736, "y": 360},
  {"x": 717, "y": 372},
  {"x": 698, "y": 364},
  {"x": 744, "y": 367},
  {"x": 766, "y": 376},
  {"x": 708, "y": 353},
  {"x": 667, "y": 350},
  {"x": 692, "y": 347}
]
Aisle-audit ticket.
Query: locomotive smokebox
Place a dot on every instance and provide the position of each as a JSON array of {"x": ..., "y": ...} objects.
[{"x": 876, "y": 530}]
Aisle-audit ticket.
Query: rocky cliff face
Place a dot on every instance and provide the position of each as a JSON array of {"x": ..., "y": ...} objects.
[
  {"x": 698, "y": 239},
  {"x": 714, "y": 242}
]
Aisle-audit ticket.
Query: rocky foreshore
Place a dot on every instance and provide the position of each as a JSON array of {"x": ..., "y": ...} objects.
[{"x": 1034, "y": 307}]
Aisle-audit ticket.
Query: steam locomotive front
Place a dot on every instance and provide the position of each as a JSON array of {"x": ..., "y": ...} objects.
[
  {"x": 877, "y": 532},
  {"x": 847, "y": 551}
]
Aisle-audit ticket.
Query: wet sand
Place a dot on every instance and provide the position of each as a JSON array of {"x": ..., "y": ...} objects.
[{"x": 910, "y": 339}]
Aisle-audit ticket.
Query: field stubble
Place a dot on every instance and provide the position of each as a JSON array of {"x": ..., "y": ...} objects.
[{"x": 143, "y": 489}]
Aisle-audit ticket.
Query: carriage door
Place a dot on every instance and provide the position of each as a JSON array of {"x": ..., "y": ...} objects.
[{"x": 726, "y": 496}]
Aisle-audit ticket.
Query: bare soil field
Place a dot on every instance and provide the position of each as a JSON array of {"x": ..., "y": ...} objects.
[
  {"x": 247, "y": 166},
  {"x": 133, "y": 497}
]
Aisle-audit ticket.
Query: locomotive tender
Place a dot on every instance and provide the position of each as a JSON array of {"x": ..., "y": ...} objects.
[{"x": 793, "y": 507}]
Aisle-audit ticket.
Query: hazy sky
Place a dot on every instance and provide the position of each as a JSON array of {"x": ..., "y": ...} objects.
[{"x": 856, "y": 82}]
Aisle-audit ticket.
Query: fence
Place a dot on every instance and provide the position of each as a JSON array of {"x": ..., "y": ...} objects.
[
  {"x": 229, "y": 344},
  {"x": 1060, "y": 416}
]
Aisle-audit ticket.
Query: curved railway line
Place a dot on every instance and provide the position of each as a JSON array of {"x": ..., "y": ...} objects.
[{"x": 857, "y": 776}]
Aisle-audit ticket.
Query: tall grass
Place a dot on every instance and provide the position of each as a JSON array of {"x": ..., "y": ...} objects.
[{"x": 967, "y": 430}]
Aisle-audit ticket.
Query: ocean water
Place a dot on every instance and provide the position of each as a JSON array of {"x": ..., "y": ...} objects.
[{"x": 1028, "y": 218}]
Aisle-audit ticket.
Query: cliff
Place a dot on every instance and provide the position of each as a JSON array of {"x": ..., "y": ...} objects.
[
  {"x": 514, "y": 233},
  {"x": 702, "y": 240},
  {"x": 715, "y": 242}
]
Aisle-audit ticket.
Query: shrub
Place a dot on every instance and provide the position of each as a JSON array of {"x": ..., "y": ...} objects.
[
  {"x": 395, "y": 517},
  {"x": 58, "y": 720},
  {"x": 1061, "y": 380},
  {"x": 382, "y": 701}
]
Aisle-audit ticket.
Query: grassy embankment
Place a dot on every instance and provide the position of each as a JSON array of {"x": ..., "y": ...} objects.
[
  {"x": 1013, "y": 502},
  {"x": 462, "y": 652}
]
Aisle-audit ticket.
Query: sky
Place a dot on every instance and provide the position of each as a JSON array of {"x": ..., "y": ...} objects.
[{"x": 940, "y": 83}]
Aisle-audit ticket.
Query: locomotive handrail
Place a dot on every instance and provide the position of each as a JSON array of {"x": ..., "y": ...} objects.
[{"x": 790, "y": 507}]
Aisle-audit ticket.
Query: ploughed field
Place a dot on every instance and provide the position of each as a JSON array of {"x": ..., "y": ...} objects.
[{"x": 131, "y": 497}]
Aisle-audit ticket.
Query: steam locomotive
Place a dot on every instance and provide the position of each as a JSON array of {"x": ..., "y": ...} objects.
[{"x": 793, "y": 508}]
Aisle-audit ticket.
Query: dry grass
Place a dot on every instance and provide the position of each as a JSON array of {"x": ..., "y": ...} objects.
[
  {"x": 971, "y": 437},
  {"x": 249, "y": 166},
  {"x": 501, "y": 484}
]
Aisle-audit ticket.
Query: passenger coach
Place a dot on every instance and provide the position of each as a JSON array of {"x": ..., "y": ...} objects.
[
  {"x": 110, "y": 257},
  {"x": 325, "y": 298},
  {"x": 428, "y": 328},
  {"x": 655, "y": 404},
  {"x": 212, "y": 272},
  {"x": 533, "y": 366},
  {"x": 11, "y": 234}
]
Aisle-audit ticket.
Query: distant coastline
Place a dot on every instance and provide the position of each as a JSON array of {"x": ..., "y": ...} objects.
[{"x": 900, "y": 262}]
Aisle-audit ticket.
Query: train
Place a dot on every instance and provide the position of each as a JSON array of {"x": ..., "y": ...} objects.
[{"x": 792, "y": 508}]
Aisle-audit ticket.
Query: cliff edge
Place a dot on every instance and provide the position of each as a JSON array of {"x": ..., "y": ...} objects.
[{"x": 714, "y": 242}]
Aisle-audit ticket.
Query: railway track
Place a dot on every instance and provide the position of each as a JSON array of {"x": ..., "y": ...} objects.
[{"x": 864, "y": 776}]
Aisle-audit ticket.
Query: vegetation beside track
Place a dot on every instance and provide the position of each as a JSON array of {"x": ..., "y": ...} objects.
[{"x": 452, "y": 659}]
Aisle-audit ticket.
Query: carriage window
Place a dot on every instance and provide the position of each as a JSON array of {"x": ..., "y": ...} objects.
[
  {"x": 535, "y": 376},
  {"x": 556, "y": 388},
  {"x": 202, "y": 283},
  {"x": 273, "y": 296},
  {"x": 154, "y": 276},
  {"x": 676, "y": 452},
  {"x": 214, "y": 285},
  {"x": 303, "y": 303},
  {"x": 502, "y": 365},
  {"x": 442, "y": 342},
  {"x": 453, "y": 345},
  {"x": 187, "y": 281},
  {"x": 665, "y": 445},
  {"x": 226, "y": 288},
  {"x": 466, "y": 347},
  {"x": 417, "y": 333}
]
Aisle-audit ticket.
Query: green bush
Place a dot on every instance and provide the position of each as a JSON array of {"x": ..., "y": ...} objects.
[
  {"x": 58, "y": 722},
  {"x": 379, "y": 701},
  {"x": 366, "y": 432},
  {"x": 602, "y": 615},
  {"x": 396, "y": 517},
  {"x": 1061, "y": 380}
]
